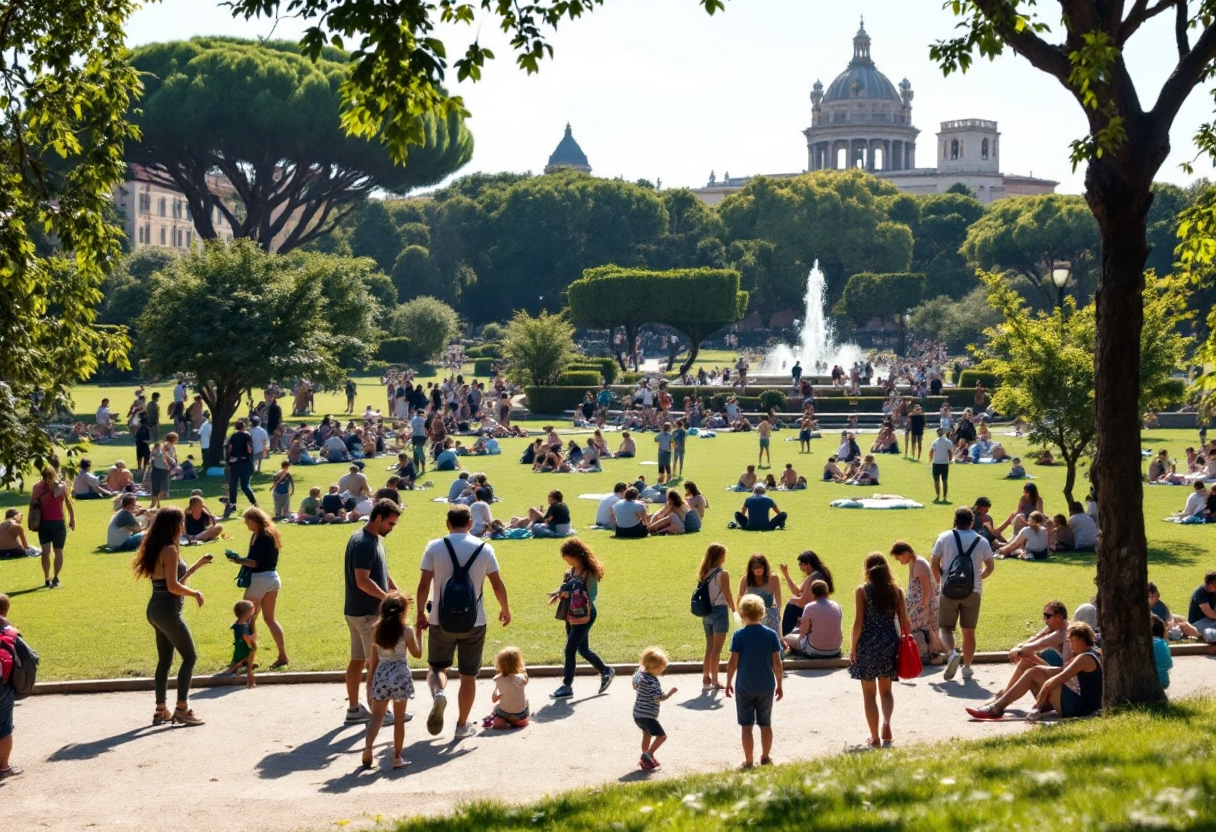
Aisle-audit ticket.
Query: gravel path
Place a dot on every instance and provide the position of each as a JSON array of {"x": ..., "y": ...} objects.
[{"x": 279, "y": 758}]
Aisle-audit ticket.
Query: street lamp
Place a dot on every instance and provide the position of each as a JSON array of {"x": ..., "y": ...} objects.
[{"x": 1060, "y": 271}]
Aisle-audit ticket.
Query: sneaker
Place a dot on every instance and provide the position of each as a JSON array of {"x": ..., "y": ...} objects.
[
  {"x": 11, "y": 771},
  {"x": 967, "y": 671},
  {"x": 434, "y": 722},
  {"x": 564, "y": 692},
  {"x": 647, "y": 762},
  {"x": 54, "y": 583},
  {"x": 357, "y": 715},
  {"x": 47, "y": 585},
  {"x": 952, "y": 664},
  {"x": 465, "y": 731},
  {"x": 983, "y": 713},
  {"x": 606, "y": 680},
  {"x": 185, "y": 716}
]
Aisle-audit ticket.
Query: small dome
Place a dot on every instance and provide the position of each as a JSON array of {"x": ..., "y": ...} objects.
[
  {"x": 568, "y": 154},
  {"x": 861, "y": 79}
]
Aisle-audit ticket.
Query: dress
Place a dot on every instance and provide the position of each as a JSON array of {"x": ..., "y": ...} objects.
[
  {"x": 772, "y": 618},
  {"x": 393, "y": 681},
  {"x": 878, "y": 647},
  {"x": 923, "y": 616}
]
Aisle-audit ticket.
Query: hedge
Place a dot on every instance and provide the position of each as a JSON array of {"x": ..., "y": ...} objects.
[
  {"x": 774, "y": 398},
  {"x": 482, "y": 366},
  {"x": 489, "y": 350},
  {"x": 553, "y": 401},
  {"x": 589, "y": 379},
  {"x": 970, "y": 377},
  {"x": 395, "y": 350}
]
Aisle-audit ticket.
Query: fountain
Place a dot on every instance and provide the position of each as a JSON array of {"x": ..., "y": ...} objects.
[{"x": 817, "y": 348}]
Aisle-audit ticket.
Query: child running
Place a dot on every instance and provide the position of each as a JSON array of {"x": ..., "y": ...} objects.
[
  {"x": 510, "y": 696},
  {"x": 389, "y": 670},
  {"x": 244, "y": 641},
  {"x": 755, "y": 652},
  {"x": 646, "y": 708}
]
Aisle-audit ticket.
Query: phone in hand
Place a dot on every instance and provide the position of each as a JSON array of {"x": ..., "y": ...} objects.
[{"x": 231, "y": 555}]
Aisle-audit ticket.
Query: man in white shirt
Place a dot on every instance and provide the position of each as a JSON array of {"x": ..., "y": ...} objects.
[
  {"x": 442, "y": 646},
  {"x": 261, "y": 442},
  {"x": 1192, "y": 512},
  {"x": 951, "y": 610},
  {"x": 105, "y": 420},
  {"x": 1084, "y": 529},
  {"x": 605, "y": 517},
  {"x": 204, "y": 433},
  {"x": 940, "y": 453}
]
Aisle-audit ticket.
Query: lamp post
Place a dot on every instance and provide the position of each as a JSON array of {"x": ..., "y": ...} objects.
[{"x": 1060, "y": 271}]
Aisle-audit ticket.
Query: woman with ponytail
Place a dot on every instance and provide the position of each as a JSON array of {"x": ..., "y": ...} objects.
[{"x": 874, "y": 655}]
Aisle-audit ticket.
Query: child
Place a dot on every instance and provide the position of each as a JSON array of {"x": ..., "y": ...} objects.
[
  {"x": 509, "y": 698},
  {"x": 1017, "y": 472},
  {"x": 332, "y": 509},
  {"x": 1161, "y": 652},
  {"x": 310, "y": 507},
  {"x": 283, "y": 487},
  {"x": 8, "y": 636},
  {"x": 389, "y": 671},
  {"x": 755, "y": 652},
  {"x": 646, "y": 708},
  {"x": 189, "y": 472},
  {"x": 244, "y": 642}
]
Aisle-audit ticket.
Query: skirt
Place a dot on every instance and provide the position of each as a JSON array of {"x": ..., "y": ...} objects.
[{"x": 392, "y": 682}]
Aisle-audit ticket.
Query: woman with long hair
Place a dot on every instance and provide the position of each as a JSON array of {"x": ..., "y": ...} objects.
[
  {"x": 201, "y": 526},
  {"x": 1030, "y": 501},
  {"x": 812, "y": 568},
  {"x": 761, "y": 582},
  {"x": 264, "y": 583},
  {"x": 51, "y": 495},
  {"x": 159, "y": 560},
  {"x": 717, "y": 622},
  {"x": 921, "y": 598},
  {"x": 583, "y": 575},
  {"x": 163, "y": 461},
  {"x": 670, "y": 518},
  {"x": 874, "y": 654},
  {"x": 697, "y": 505}
]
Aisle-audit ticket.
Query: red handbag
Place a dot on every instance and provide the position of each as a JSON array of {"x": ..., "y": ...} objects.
[{"x": 909, "y": 658}]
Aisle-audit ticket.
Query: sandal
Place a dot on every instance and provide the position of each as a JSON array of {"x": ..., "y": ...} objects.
[
  {"x": 185, "y": 716},
  {"x": 162, "y": 716},
  {"x": 400, "y": 763},
  {"x": 278, "y": 663},
  {"x": 11, "y": 771}
]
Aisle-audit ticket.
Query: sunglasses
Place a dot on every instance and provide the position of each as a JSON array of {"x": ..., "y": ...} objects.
[{"x": 1049, "y": 615}]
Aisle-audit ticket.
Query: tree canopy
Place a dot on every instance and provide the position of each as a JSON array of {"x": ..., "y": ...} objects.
[
  {"x": 428, "y": 323},
  {"x": 538, "y": 349},
  {"x": 868, "y": 295}
]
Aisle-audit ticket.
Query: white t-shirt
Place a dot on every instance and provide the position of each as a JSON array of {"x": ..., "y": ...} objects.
[
  {"x": 260, "y": 439},
  {"x": 604, "y": 515},
  {"x": 1036, "y": 539},
  {"x": 945, "y": 549},
  {"x": 1195, "y": 504},
  {"x": 437, "y": 561},
  {"x": 103, "y": 416},
  {"x": 204, "y": 435},
  {"x": 1084, "y": 531},
  {"x": 512, "y": 698},
  {"x": 941, "y": 451},
  {"x": 481, "y": 519}
]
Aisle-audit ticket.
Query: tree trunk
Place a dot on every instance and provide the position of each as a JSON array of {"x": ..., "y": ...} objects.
[
  {"x": 1070, "y": 479},
  {"x": 1117, "y": 190},
  {"x": 223, "y": 405},
  {"x": 694, "y": 349}
]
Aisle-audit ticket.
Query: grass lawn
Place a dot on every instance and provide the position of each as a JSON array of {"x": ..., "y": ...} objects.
[
  {"x": 644, "y": 599},
  {"x": 1137, "y": 770}
]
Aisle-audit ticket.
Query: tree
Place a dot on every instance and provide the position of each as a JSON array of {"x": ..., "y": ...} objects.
[
  {"x": 1045, "y": 363},
  {"x": 430, "y": 324},
  {"x": 538, "y": 349},
  {"x": 267, "y": 118},
  {"x": 599, "y": 304},
  {"x": 236, "y": 318},
  {"x": 956, "y": 322},
  {"x": 868, "y": 295},
  {"x": 939, "y": 224},
  {"x": 1123, "y": 149}
]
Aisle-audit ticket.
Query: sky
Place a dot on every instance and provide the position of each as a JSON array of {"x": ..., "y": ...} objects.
[{"x": 659, "y": 90}]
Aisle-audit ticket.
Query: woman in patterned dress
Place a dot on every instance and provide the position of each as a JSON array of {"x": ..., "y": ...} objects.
[
  {"x": 874, "y": 655},
  {"x": 921, "y": 602}
]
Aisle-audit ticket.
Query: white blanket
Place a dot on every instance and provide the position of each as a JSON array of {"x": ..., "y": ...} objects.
[{"x": 888, "y": 501}]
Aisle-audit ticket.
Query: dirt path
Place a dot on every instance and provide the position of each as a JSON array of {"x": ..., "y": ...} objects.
[{"x": 279, "y": 758}]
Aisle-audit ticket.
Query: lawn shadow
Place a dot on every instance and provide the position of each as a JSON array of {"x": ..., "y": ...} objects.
[
  {"x": 706, "y": 701},
  {"x": 13, "y": 593},
  {"x": 313, "y": 755},
  {"x": 94, "y": 749},
  {"x": 969, "y": 689},
  {"x": 639, "y": 776}
]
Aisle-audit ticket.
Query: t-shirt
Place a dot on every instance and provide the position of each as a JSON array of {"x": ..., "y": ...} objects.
[
  {"x": 86, "y": 483},
  {"x": 456, "y": 489},
  {"x": 946, "y": 549},
  {"x": 364, "y": 551},
  {"x": 604, "y": 515},
  {"x": 418, "y": 426},
  {"x": 1163, "y": 660},
  {"x": 628, "y": 513},
  {"x": 677, "y": 439},
  {"x": 239, "y": 445},
  {"x": 757, "y": 508},
  {"x": 262, "y": 551},
  {"x": 445, "y": 460},
  {"x": 664, "y": 440},
  {"x": 120, "y": 528},
  {"x": 558, "y": 515},
  {"x": 204, "y": 435},
  {"x": 1084, "y": 531},
  {"x": 260, "y": 439},
  {"x": 1201, "y": 596},
  {"x": 103, "y": 416},
  {"x": 1195, "y": 504},
  {"x": 825, "y": 617},
  {"x": 481, "y": 520},
  {"x": 310, "y": 506},
  {"x": 649, "y": 691},
  {"x": 512, "y": 696},
  {"x": 755, "y": 645},
  {"x": 1160, "y": 610},
  {"x": 916, "y": 422},
  {"x": 332, "y": 503},
  {"x": 1036, "y": 539},
  {"x": 437, "y": 561},
  {"x": 941, "y": 451}
]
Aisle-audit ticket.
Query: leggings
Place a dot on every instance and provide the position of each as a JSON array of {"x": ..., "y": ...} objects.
[
  {"x": 240, "y": 472},
  {"x": 790, "y": 617},
  {"x": 165, "y": 616},
  {"x": 576, "y": 642}
]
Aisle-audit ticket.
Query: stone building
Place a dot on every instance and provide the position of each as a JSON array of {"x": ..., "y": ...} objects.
[
  {"x": 568, "y": 156},
  {"x": 153, "y": 214}
]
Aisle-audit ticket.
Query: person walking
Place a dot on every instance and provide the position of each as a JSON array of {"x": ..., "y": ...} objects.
[
  {"x": 717, "y": 623},
  {"x": 580, "y": 586},
  {"x": 940, "y": 454},
  {"x": 955, "y": 605},
  {"x": 456, "y": 567},
  {"x": 50, "y": 496},
  {"x": 239, "y": 451},
  {"x": 921, "y": 601},
  {"x": 368, "y": 582},
  {"x": 264, "y": 582},
  {"x": 159, "y": 560},
  {"x": 164, "y": 460},
  {"x": 874, "y": 652}
]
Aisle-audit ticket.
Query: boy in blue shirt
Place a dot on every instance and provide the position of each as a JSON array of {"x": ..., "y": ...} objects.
[{"x": 755, "y": 653}]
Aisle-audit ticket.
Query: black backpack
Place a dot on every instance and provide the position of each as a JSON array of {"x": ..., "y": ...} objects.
[
  {"x": 25, "y": 666},
  {"x": 702, "y": 599},
  {"x": 959, "y": 581},
  {"x": 459, "y": 599}
]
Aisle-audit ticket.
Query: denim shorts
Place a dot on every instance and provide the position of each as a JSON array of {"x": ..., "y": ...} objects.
[
  {"x": 7, "y": 698},
  {"x": 754, "y": 708},
  {"x": 650, "y": 725},
  {"x": 717, "y": 623}
]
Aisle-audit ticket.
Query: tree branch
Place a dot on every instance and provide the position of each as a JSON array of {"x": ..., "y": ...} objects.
[
  {"x": 1142, "y": 12},
  {"x": 1180, "y": 36},
  {"x": 1047, "y": 57},
  {"x": 1190, "y": 70}
]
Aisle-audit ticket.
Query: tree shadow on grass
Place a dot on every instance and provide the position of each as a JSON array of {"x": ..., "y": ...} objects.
[{"x": 94, "y": 749}]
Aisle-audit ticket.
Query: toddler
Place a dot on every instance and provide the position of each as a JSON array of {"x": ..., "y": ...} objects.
[
  {"x": 310, "y": 507},
  {"x": 389, "y": 671},
  {"x": 283, "y": 488},
  {"x": 1017, "y": 472},
  {"x": 8, "y": 637},
  {"x": 510, "y": 698},
  {"x": 646, "y": 707},
  {"x": 755, "y": 652},
  {"x": 244, "y": 642}
]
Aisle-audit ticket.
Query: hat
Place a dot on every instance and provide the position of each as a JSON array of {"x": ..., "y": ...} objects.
[
  {"x": 354, "y": 467},
  {"x": 983, "y": 501}
]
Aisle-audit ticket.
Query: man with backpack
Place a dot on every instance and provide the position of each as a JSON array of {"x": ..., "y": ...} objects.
[
  {"x": 961, "y": 561},
  {"x": 457, "y": 566}
]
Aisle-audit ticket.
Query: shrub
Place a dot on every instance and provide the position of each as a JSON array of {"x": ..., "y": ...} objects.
[
  {"x": 538, "y": 348},
  {"x": 482, "y": 366},
  {"x": 587, "y": 378},
  {"x": 395, "y": 350},
  {"x": 774, "y": 398},
  {"x": 429, "y": 324},
  {"x": 493, "y": 332},
  {"x": 970, "y": 377},
  {"x": 553, "y": 401},
  {"x": 492, "y": 350}
]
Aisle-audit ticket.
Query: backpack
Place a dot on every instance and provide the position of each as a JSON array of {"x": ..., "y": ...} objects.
[
  {"x": 702, "y": 598},
  {"x": 23, "y": 664},
  {"x": 578, "y": 611},
  {"x": 959, "y": 581},
  {"x": 459, "y": 599}
]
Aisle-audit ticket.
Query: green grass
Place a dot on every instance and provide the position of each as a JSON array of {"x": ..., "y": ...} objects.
[
  {"x": 644, "y": 599},
  {"x": 1137, "y": 770}
]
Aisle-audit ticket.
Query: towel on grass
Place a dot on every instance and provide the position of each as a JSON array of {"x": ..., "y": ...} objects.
[{"x": 877, "y": 502}]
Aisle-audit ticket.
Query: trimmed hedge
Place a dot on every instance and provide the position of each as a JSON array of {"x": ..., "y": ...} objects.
[
  {"x": 489, "y": 350},
  {"x": 589, "y": 379},
  {"x": 482, "y": 366},
  {"x": 553, "y": 401},
  {"x": 970, "y": 377},
  {"x": 395, "y": 350},
  {"x": 774, "y": 398}
]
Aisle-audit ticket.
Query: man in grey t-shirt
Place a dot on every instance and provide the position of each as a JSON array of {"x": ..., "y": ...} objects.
[
  {"x": 368, "y": 583},
  {"x": 964, "y": 611}
]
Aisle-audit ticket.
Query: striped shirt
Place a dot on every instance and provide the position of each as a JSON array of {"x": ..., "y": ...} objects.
[{"x": 649, "y": 692}]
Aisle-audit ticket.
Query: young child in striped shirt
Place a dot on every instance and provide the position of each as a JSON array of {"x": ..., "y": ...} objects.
[{"x": 646, "y": 707}]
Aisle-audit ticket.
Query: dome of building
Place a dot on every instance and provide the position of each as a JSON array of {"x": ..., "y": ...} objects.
[
  {"x": 568, "y": 156},
  {"x": 861, "y": 80}
]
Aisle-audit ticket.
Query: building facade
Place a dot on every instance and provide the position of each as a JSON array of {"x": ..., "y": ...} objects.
[
  {"x": 568, "y": 156},
  {"x": 153, "y": 214}
]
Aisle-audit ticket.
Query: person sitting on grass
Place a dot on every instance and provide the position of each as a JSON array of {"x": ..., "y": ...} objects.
[
  {"x": 1049, "y": 685},
  {"x": 591, "y": 458},
  {"x": 1161, "y": 651},
  {"x": 747, "y": 480},
  {"x": 1172, "y": 620},
  {"x": 1029, "y": 502},
  {"x": 754, "y": 515},
  {"x": 200, "y": 523},
  {"x": 770, "y": 482},
  {"x": 867, "y": 474},
  {"x": 628, "y": 448},
  {"x": 1196, "y": 506},
  {"x": 789, "y": 477},
  {"x": 982, "y": 523},
  {"x": 332, "y": 508},
  {"x": 310, "y": 508},
  {"x": 962, "y": 452},
  {"x": 1059, "y": 535},
  {"x": 832, "y": 472},
  {"x": 87, "y": 486},
  {"x": 1031, "y": 543},
  {"x": 124, "y": 532},
  {"x": 555, "y": 522},
  {"x": 119, "y": 477},
  {"x": 670, "y": 518},
  {"x": 1018, "y": 471},
  {"x": 630, "y": 515},
  {"x": 13, "y": 543},
  {"x": 820, "y": 630},
  {"x": 446, "y": 460}
]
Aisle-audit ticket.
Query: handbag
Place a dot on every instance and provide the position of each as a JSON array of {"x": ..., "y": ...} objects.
[
  {"x": 909, "y": 664},
  {"x": 563, "y": 608},
  {"x": 245, "y": 577},
  {"x": 33, "y": 519}
]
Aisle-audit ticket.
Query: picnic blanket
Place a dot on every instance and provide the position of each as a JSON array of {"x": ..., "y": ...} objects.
[
  {"x": 878, "y": 501},
  {"x": 593, "y": 496},
  {"x": 512, "y": 534}
]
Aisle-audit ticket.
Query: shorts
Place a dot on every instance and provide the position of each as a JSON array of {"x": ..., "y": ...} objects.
[
  {"x": 941, "y": 471},
  {"x": 160, "y": 482},
  {"x": 519, "y": 717},
  {"x": 360, "y": 627},
  {"x": 1071, "y": 704},
  {"x": 804, "y": 646},
  {"x": 764, "y": 442},
  {"x": 54, "y": 532},
  {"x": 465, "y": 647},
  {"x": 1052, "y": 656},
  {"x": 717, "y": 623},
  {"x": 804, "y": 436},
  {"x": 418, "y": 440},
  {"x": 261, "y": 583},
  {"x": 754, "y": 708},
  {"x": 7, "y": 697},
  {"x": 664, "y": 460},
  {"x": 640, "y": 530},
  {"x": 649, "y": 725},
  {"x": 949, "y": 612}
]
